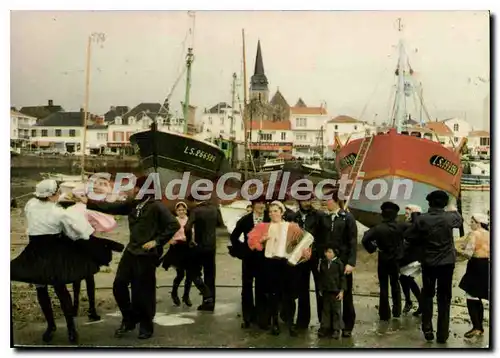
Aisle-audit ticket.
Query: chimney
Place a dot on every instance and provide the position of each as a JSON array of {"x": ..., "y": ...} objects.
[
  {"x": 81, "y": 110},
  {"x": 51, "y": 103}
]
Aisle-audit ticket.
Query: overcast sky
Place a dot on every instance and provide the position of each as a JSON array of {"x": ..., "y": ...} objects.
[{"x": 346, "y": 59}]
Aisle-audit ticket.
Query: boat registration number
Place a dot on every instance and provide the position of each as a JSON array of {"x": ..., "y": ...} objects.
[
  {"x": 199, "y": 153},
  {"x": 444, "y": 164}
]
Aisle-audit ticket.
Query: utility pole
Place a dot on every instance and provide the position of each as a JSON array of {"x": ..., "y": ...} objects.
[{"x": 245, "y": 97}]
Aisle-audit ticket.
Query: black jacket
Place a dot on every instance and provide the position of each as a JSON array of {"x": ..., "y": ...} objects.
[
  {"x": 387, "y": 237},
  {"x": 342, "y": 233},
  {"x": 148, "y": 219},
  {"x": 244, "y": 225},
  {"x": 205, "y": 219},
  {"x": 332, "y": 279},
  {"x": 315, "y": 224},
  {"x": 433, "y": 231}
]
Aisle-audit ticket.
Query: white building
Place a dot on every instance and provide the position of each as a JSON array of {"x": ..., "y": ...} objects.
[
  {"x": 61, "y": 130},
  {"x": 308, "y": 126},
  {"x": 460, "y": 128},
  {"x": 222, "y": 121},
  {"x": 346, "y": 128},
  {"x": 479, "y": 142},
  {"x": 97, "y": 137},
  {"x": 20, "y": 126},
  {"x": 270, "y": 138}
]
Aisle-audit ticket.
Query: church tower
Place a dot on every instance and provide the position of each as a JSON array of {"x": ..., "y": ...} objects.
[{"x": 258, "y": 83}]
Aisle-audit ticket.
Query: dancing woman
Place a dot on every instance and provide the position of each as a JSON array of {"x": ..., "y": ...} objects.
[
  {"x": 476, "y": 280},
  {"x": 280, "y": 284},
  {"x": 178, "y": 257},
  {"x": 57, "y": 254}
]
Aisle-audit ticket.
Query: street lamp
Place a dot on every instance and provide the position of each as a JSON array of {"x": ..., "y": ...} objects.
[{"x": 95, "y": 37}]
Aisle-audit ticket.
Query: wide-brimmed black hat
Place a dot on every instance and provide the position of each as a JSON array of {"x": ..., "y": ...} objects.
[{"x": 438, "y": 199}]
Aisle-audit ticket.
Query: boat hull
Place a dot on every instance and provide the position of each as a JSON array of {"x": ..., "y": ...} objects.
[{"x": 398, "y": 160}]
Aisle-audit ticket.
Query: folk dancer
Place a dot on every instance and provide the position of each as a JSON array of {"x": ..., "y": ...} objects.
[
  {"x": 178, "y": 256},
  {"x": 58, "y": 253},
  {"x": 205, "y": 217},
  {"x": 433, "y": 231},
  {"x": 332, "y": 283},
  {"x": 151, "y": 226},
  {"x": 343, "y": 236},
  {"x": 476, "y": 280},
  {"x": 410, "y": 266},
  {"x": 251, "y": 265},
  {"x": 279, "y": 283},
  {"x": 387, "y": 239}
]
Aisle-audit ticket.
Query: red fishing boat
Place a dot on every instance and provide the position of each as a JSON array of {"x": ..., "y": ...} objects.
[{"x": 402, "y": 163}]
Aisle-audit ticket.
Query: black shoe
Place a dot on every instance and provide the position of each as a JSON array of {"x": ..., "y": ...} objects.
[
  {"x": 347, "y": 334},
  {"x": 336, "y": 335},
  {"x": 245, "y": 324},
  {"x": 441, "y": 340},
  {"x": 208, "y": 305},
  {"x": 407, "y": 308},
  {"x": 322, "y": 333},
  {"x": 49, "y": 333},
  {"x": 175, "y": 298},
  {"x": 72, "y": 335},
  {"x": 417, "y": 313},
  {"x": 124, "y": 328},
  {"x": 145, "y": 335},
  {"x": 94, "y": 317},
  {"x": 429, "y": 336},
  {"x": 293, "y": 331},
  {"x": 187, "y": 301}
]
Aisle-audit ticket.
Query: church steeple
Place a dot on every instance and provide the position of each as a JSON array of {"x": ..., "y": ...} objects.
[{"x": 259, "y": 82}]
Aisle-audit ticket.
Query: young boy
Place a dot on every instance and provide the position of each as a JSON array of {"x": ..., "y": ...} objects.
[{"x": 332, "y": 285}]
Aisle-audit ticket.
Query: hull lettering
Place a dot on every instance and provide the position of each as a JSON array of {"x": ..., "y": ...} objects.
[
  {"x": 192, "y": 151},
  {"x": 444, "y": 164}
]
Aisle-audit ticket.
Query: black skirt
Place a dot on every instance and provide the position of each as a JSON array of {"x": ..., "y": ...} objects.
[
  {"x": 476, "y": 281},
  {"x": 179, "y": 256},
  {"x": 56, "y": 259}
]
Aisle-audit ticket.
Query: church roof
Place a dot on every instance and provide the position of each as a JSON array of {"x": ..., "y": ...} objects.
[
  {"x": 259, "y": 80},
  {"x": 279, "y": 100},
  {"x": 300, "y": 103}
]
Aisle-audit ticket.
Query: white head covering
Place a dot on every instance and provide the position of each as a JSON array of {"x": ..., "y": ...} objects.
[
  {"x": 46, "y": 188},
  {"x": 414, "y": 208},
  {"x": 481, "y": 218},
  {"x": 279, "y": 204}
]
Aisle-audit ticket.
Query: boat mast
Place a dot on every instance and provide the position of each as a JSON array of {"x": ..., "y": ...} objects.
[
  {"x": 233, "y": 103},
  {"x": 400, "y": 115},
  {"x": 86, "y": 105},
  {"x": 245, "y": 97},
  {"x": 189, "y": 62}
]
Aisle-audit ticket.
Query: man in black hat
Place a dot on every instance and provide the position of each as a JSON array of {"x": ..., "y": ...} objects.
[
  {"x": 251, "y": 264},
  {"x": 151, "y": 226},
  {"x": 387, "y": 239},
  {"x": 434, "y": 232},
  {"x": 342, "y": 234},
  {"x": 204, "y": 218},
  {"x": 312, "y": 221}
]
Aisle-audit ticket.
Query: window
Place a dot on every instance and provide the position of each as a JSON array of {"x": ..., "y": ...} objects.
[
  {"x": 336, "y": 127},
  {"x": 283, "y": 135},
  {"x": 102, "y": 136},
  {"x": 355, "y": 128},
  {"x": 300, "y": 137},
  {"x": 484, "y": 141},
  {"x": 72, "y": 133},
  {"x": 455, "y": 139},
  {"x": 58, "y": 132},
  {"x": 266, "y": 136},
  {"x": 221, "y": 121},
  {"x": 209, "y": 120},
  {"x": 300, "y": 122},
  {"x": 455, "y": 127},
  {"x": 33, "y": 132},
  {"x": 44, "y": 133}
]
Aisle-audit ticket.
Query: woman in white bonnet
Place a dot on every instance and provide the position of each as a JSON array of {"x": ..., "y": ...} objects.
[
  {"x": 54, "y": 255},
  {"x": 475, "y": 283}
]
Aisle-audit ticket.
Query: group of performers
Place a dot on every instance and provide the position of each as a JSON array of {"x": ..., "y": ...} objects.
[{"x": 279, "y": 250}]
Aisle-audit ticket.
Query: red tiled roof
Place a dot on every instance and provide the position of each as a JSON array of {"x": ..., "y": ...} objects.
[
  {"x": 270, "y": 125},
  {"x": 479, "y": 134},
  {"x": 308, "y": 110},
  {"x": 343, "y": 119},
  {"x": 439, "y": 128}
]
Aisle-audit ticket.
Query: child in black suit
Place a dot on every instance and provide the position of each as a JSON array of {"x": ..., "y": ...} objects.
[{"x": 332, "y": 286}]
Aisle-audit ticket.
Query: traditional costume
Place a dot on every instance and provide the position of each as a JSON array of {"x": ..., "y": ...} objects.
[
  {"x": 476, "y": 281},
  {"x": 58, "y": 253}
]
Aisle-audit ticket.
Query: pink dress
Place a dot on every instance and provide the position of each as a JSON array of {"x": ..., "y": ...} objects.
[
  {"x": 99, "y": 221},
  {"x": 180, "y": 235}
]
